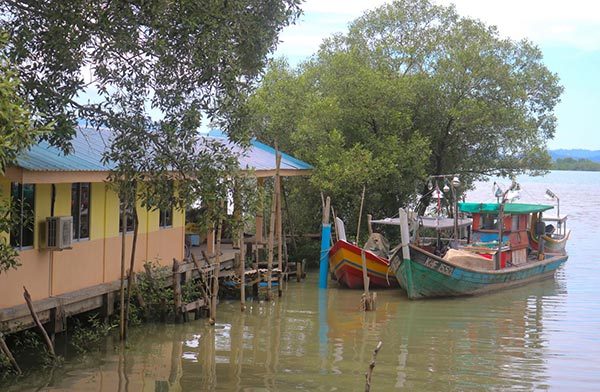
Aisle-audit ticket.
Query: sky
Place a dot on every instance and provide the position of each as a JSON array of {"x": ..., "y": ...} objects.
[{"x": 567, "y": 32}]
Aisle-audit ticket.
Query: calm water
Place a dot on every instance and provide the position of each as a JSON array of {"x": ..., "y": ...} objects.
[{"x": 544, "y": 336}]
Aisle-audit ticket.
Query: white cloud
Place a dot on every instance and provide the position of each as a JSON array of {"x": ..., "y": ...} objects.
[{"x": 574, "y": 23}]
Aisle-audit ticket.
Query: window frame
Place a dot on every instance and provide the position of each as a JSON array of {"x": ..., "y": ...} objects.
[
  {"x": 128, "y": 216},
  {"x": 21, "y": 223},
  {"x": 165, "y": 218},
  {"x": 76, "y": 190}
]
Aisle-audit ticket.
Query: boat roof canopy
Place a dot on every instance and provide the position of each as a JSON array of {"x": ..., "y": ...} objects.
[
  {"x": 428, "y": 222},
  {"x": 509, "y": 208}
]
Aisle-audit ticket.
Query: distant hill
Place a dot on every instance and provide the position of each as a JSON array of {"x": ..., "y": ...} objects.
[{"x": 592, "y": 155}]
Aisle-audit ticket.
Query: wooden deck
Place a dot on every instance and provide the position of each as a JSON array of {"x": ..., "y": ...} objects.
[{"x": 53, "y": 312}]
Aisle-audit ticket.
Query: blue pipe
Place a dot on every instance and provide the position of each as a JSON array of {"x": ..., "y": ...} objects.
[{"x": 324, "y": 262}]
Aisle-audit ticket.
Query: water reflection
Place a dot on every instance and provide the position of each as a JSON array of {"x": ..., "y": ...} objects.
[
  {"x": 536, "y": 337},
  {"x": 320, "y": 340}
]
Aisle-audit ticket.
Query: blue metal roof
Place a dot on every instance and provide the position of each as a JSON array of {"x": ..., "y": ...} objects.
[{"x": 89, "y": 144}]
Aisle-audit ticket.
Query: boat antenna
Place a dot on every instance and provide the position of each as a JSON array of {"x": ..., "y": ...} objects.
[{"x": 553, "y": 196}]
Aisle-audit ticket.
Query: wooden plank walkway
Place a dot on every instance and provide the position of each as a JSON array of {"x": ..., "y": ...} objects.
[{"x": 54, "y": 311}]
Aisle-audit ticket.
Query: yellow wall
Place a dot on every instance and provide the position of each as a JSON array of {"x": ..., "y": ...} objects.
[{"x": 90, "y": 262}]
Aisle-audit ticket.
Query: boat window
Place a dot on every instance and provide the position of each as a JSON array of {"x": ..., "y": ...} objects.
[
  {"x": 515, "y": 223},
  {"x": 488, "y": 222}
]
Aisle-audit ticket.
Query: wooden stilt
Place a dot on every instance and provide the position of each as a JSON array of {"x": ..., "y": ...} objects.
[
  {"x": 9, "y": 355},
  {"x": 177, "y": 291},
  {"x": 217, "y": 267},
  {"x": 242, "y": 273},
  {"x": 37, "y": 322}
]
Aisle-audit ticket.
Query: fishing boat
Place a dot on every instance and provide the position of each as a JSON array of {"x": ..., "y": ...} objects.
[
  {"x": 346, "y": 264},
  {"x": 551, "y": 230},
  {"x": 497, "y": 255},
  {"x": 346, "y": 261}
]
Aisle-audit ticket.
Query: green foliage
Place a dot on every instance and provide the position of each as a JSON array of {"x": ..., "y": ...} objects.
[
  {"x": 17, "y": 126},
  {"x": 8, "y": 254},
  {"x": 87, "y": 336},
  {"x": 17, "y": 133},
  {"x": 576, "y": 164},
  {"x": 155, "y": 69},
  {"x": 411, "y": 90},
  {"x": 29, "y": 346},
  {"x": 180, "y": 58}
]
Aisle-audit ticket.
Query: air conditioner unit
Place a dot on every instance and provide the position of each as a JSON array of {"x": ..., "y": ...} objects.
[{"x": 59, "y": 232}]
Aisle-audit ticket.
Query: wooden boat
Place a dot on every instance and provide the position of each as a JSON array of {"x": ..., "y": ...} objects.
[
  {"x": 345, "y": 259},
  {"x": 553, "y": 231},
  {"x": 497, "y": 256},
  {"x": 345, "y": 262}
]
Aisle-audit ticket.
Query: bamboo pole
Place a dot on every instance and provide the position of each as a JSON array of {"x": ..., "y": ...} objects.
[
  {"x": 122, "y": 281},
  {"x": 37, "y": 322},
  {"x": 217, "y": 265},
  {"x": 362, "y": 200},
  {"x": 280, "y": 240},
  {"x": 242, "y": 272},
  {"x": 131, "y": 269},
  {"x": 8, "y": 354},
  {"x": 272, "y": 226},
  {"x": 371, "y": 367}
]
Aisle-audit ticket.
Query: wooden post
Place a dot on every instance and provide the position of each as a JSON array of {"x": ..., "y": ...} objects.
[
  {"x": 364, "y": 272},
  {"x": 369, "y": 225},
  {"x": 242, "y": 274},
  {"x": 37, "y": 322},
  {"x": 122, "y": 282},
  {"x": 272, "y": 227},
  {"x": 371, "y": 367},
  {"x": 279, "y": 226},
  {"x": 58, "y": 321},
  {"x": 108, "y": 305},
  {"x": 8, "y": 354},
  {"x": 368, "y": 299},
  {"x": 138, "y": 295},
  {"x": 217, "y": 267},
  {"x": 177, "y": 291},
  {"x": 259, "y": 214},
  {"x": 362, "y": 200}
]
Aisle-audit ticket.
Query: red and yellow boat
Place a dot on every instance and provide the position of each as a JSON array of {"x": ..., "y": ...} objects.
[{"x": 345, "y": 262}]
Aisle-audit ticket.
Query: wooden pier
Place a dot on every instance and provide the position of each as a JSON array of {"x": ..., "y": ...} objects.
[{"x": 53, "y": 312}]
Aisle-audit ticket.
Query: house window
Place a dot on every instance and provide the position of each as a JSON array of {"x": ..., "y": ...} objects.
[
  {"x": 128, "y": 216},
  {"x": 80, "y": 210},
  {"x": 23, "y": 197},
  {"x": 166, "y": 218}
]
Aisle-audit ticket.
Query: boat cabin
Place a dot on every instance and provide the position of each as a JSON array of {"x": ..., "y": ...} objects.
[{"x": 501, "y": 230}]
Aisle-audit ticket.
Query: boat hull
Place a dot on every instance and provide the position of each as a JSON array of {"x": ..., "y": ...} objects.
[
  {"x": 345, "y": 262},
  {"x": 424, "y": 275},
  {"x": 551, "y": 245}
]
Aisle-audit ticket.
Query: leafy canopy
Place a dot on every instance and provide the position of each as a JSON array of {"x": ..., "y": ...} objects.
[
  {"x": 412, "y": 89},
  {"x": 150, "y": 71}
]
